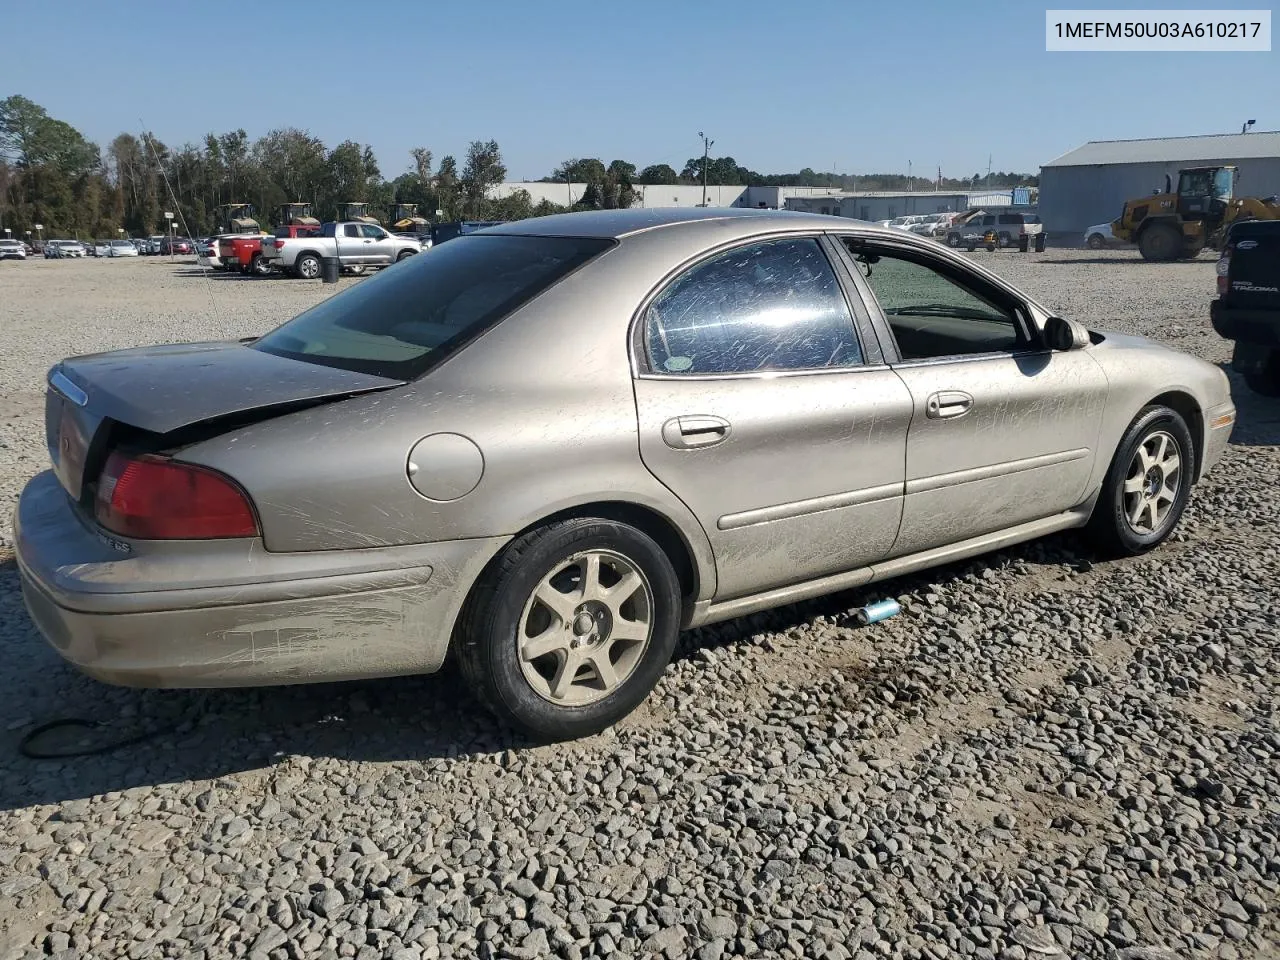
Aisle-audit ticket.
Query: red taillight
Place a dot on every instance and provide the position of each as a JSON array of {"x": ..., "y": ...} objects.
[
  {"x": 154, "y": 498},
  {"x": 1223, "y": 268}
]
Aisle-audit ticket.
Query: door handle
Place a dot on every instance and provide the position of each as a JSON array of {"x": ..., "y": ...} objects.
[
  {"x": 368, "y": 241},
  {"x": 685, "y": 433},
  {"x": 948, "y": 405}
]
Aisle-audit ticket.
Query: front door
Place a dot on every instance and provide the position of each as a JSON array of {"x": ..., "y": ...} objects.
[
  {"x": 757, "y": 409},
  {"x": 1003, "y": 431},
  {"x": 377, "y": 244}
]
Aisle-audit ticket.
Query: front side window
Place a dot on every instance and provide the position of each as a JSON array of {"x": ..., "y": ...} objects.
[
  {"x": 371, "y": 232},
  {"x": 774, "y": 305},
  {"x": 399, "y": 322},
  {"x": 935, "y": 315}
]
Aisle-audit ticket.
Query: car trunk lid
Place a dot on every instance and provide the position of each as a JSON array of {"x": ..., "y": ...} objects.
[{"x": 163, "y": 392}]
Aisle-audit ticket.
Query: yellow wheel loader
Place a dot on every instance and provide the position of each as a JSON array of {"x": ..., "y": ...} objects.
[{"x": 1173, "y": 225}]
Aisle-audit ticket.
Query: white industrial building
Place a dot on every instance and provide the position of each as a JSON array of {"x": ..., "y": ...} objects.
[
  {"x": 885, "y": 205},
  {"x": 662, "y": 195},
  {"x": 1090, "y": 184}
]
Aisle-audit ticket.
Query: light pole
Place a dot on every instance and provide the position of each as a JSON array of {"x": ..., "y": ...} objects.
[
  {"x": 706, "y": 153},
  {"x": 1247, "y": 125},
  {"x": 40, "y": 235},
  {"x": 168, "y": 215}
]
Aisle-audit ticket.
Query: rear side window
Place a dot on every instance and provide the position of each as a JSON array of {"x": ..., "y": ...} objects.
[
  {"x": 402, "y": 321},
  {"x": 774, "y": 305},
  {"x": 1011, "y": 218}
]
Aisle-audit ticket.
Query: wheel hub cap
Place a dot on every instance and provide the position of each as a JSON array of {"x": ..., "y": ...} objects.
[{"x": 1154, "y": 481}]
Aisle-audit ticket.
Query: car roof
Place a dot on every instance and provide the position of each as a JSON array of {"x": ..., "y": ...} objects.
[{"x": 616, "y": 224}]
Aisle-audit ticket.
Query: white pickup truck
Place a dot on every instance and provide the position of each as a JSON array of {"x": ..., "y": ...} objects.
[{"x": 358, "y": 245}]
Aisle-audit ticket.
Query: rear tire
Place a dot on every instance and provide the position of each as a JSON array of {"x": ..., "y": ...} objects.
[
  {"x": 1160, "y": 243},
  {"x": 953, "y": 239},
  {"x": 615, "y": 618},
  {"x": 1147, "y": 485},
  {"x": 308, "y": 266},
  {"x": 260, "y": 266}
]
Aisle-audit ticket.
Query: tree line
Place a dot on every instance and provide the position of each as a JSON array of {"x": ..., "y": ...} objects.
[{"x": 50, "y": 174}]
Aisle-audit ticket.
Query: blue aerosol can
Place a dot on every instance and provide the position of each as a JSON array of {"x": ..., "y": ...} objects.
[{"x": 875, "y": 612}]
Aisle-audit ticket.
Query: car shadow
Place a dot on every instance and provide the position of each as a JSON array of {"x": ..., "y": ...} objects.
[
  {"x": 1257, "y": 417},
  {"x": 188, "y": 735}
]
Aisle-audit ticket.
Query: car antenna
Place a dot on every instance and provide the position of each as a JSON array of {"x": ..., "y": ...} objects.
[{"x": 177, "y": 207}]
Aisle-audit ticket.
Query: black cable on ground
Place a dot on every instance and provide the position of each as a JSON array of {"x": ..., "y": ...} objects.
[{"x": 32, "y": 753}]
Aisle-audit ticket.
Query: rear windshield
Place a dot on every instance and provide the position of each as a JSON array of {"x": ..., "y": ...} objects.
[{"x": 405, "y": 319}]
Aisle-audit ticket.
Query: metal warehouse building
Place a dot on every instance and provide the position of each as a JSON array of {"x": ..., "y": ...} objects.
[{"x": 1091, "y": 183}]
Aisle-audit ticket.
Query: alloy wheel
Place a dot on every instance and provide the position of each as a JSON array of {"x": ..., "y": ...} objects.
[
  {"x": 585, "y": 628},
  {"x": 1152, "y": 482}
]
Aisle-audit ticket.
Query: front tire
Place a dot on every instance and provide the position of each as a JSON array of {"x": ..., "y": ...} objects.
[
  {"x": 570, "y": 628},
  {"x": 1147, "y": 486},
  {"x": 403, "y": 255},
  {"x": 1096, "y": 241},
  {"x": 1160, "y": 243}
]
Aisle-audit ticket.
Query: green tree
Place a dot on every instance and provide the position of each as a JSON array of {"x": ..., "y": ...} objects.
[
  {"x": 659, "y": 173},
  {"x": 483, "y": 171}
]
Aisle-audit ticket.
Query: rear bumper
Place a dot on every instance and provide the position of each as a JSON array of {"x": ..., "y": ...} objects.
[
  {"x": 1249, "y": 326},
  {"x": 229, "y": 613}
]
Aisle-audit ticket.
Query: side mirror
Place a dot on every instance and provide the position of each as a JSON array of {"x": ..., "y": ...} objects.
[{"x": 1063, "y": 334}]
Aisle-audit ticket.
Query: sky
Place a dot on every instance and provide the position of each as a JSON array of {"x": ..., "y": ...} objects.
[{"x": 854, "y": 86}]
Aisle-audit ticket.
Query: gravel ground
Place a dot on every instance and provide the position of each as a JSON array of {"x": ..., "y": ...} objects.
[{"x": 1046, "y": 755}]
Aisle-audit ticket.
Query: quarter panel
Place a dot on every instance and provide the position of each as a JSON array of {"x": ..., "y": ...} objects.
[{"x": 545, "y": 395}]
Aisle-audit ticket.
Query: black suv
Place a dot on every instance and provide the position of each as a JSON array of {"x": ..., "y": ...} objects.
[{"x": 1248, "y": 306}]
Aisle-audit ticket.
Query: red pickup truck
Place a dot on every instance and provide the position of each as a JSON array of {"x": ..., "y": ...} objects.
[{"x": 245, "y": 253}]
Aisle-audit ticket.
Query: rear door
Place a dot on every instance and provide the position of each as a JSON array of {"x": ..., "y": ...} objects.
[
  {"x": 351, "y": 244},
  {"x": 764, "y": 406},
  {"x": 1003, "y": 430}
]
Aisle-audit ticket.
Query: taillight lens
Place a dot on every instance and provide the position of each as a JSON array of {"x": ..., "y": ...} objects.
[
  {"x": 155, "y": 498},
  {"x": 1222, "y": 269}
]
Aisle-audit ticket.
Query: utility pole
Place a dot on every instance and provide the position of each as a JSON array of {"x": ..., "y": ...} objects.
[
  {"x": 909, "y": 186},
  {"x": 706, "y": 154},
  {"x": 988, "y": 172}
]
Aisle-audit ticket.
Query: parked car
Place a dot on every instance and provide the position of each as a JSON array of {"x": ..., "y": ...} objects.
[
  {"x": 175, "y": 245},
  {"x": 98, "y": 248},
  {"x": 1247, "y": 310},
  {"x": 153, "y": 245},
  {"x": 61, "y": 249},
  {"x": 1099, "y": 237},
  {"x": 356, "y": 244},
  {"x": 414, "y": 474},
  {"x": 12, "y": 250},
  {"x": 121, "y": 248},
  {"x": 932, "y": 225}
]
